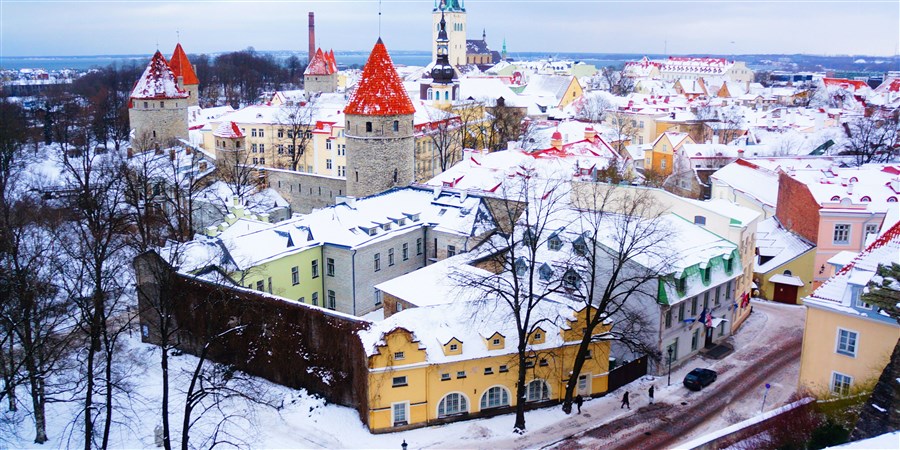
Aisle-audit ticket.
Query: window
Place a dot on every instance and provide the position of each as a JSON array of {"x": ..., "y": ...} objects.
[
  {"x": 840, "y": 383},
  {"x": 496, "y": 341},
  {"x": 461, "y": 374},
  {"x": 377, "y": 262},
  {"x": 328, "y": 144},
  {"x": 451, "y": 250},
  {"x": 706, "y": 300},
  {"x": 544, "y": 363},
  {"x": 328, "y": 164},
  {"x": 315, "y": 268},
  {"x": 453, "y": 347},
  {"x": 669, "y": 318},
  {"x": 673, "y": 347},
  {"x": 729, "y": 265},
  {"x": 503, "y": 369},
  {"x": 554, "y": 243},
  {"x": 871, "y": 228},
  {"x": 398, "y": 411},
  {"x": 368, "y": 127},
  {"x": 846, "y": 344},
  {"x": 281, "y": 132},
  {"x": 405, "y": 251},
  {"x": 331, "y": 300},
  {"x": 445, "y": 377},
  {"x": 390, "y": 257},
  {"x": 488, "y": 370},
  {"x": 589, "y": 354},
  {"x": 537, "y": 336},
  {"x": 857, "y": 299},
  {"x": 253, "y": 132},
  {"x": 260, "y": 285},
  {"x": 728, "y": 289},
  {"x": 495, "y": 397},
  {"x": 378, "y": 300},
  {"x": 681, "y": 311},
  {"x": 716, "y": 298},
  {"x": 537, "y": 391},
  {"x": 262, "y": 148},
  {"x": 419, "y": 246},
  {"x": 329, "y": 267},
  {"x": 700, "y": 220},
  {"x": 399, "y": 355},
  {"x": 842, "y": 233},
  {"x": 453, "y": 403},
  {"x": 315, "y": 298},
  {"x": 295, "y": 275},
  {"x": 396, "y": 125}
]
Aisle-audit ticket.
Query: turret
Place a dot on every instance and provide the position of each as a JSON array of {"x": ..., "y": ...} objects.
[{"x": 157, "y": 107}]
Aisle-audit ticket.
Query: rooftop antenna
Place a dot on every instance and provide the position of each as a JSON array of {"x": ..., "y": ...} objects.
[{"x": 379, "y": 19}]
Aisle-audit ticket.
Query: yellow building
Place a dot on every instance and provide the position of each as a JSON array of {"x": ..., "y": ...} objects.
[
  {"x": 847, "y": 342},
  {"x": 437, "y": 364},
  {"x": 783, "y": 270},
  {"x": 660, "y": 157}
]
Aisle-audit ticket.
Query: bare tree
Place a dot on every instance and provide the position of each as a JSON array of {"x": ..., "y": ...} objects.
[
  {"x": 236, "y": 169},
  {"x": 872, "y": 139},
  {"x": 616, "y": 81},
  {"x": 623, "y": 127},
  {"x": 296, "y": 120},
  {"x": 593, "y": 107},
  {"x": 620, "y": 252},
  {"x": 444, "y": 139},
  {"x": 524, "y": 216}
]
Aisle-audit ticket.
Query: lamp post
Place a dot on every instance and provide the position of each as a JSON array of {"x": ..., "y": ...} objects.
[
  {"x": 670, "y": 351},
  {"x": 763, "y": 407},
  {"x": 404, "y": 445}
]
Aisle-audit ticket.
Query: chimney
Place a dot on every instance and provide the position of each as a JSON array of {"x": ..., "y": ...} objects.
[
  {"x": 556, "y": 140},
  {"x": 157, "y": 150},
  {"x": 740, "y": 153},
  {"x": 130, "y": 152},
  {"x": 187, "y": 150},
  {"x": 589, "y": 133},
  {"x": 850, "y": 188},
  {"x": 171, "y": 154},
  {"x": 312, "y": 36}
]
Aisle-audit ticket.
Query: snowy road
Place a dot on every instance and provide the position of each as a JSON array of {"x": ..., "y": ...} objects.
[{"x": 767, "y": 350}]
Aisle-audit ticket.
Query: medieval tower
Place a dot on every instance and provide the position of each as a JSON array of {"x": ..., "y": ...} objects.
[
  {"x": 379, "y": 129},
  {"x": 184, "y": 75},
  {"x": 455, "y": 28},
  {"x": 157, "y": 109},
  {"x": 321, "y": 73}
]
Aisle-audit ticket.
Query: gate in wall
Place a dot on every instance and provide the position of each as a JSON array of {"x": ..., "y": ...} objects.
[{"x": 622, "y": 375}]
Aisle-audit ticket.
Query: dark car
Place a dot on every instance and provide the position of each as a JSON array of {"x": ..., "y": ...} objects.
[{"x": 698, "y": 378}]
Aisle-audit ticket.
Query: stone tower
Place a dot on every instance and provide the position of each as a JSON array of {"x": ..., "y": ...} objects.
[
  {"x": 456, "y": 30},
  {"x": 379, "y": 129},
  {"x": 321, "y": 73},
  {"x": 444, "y": 83},
  {"x": 185, "y": 75},
  {"x": 157, "y": 109},
  {"x": 231, "y": 148}
]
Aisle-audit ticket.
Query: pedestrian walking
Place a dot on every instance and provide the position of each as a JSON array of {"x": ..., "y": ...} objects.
[
  {"x": 625, "y": 401},
  {"x": 578, "y": 401},
  {"x": 651, "y": 394}
]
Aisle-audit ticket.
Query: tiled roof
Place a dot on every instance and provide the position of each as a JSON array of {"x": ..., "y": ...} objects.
[
  {"x": 380, "y": 91},
  {"x": 181, "y": 66},
  {"x": 228, "y": 130},
  {"x": 321, "y": 64},
  {"x": 157, "y": 82}
]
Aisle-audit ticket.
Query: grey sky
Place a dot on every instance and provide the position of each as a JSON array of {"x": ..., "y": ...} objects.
[{"x": 61, "y": 27}]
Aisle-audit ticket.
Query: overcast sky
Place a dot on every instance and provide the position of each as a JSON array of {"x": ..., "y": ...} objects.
[{"x": 99, "y": 27}]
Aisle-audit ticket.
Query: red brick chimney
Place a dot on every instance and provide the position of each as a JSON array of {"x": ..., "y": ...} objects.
[{"x": 312, "y": 36}]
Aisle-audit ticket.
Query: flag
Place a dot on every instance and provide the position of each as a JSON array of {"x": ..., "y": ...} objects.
[{"x": 709, "y": 319}]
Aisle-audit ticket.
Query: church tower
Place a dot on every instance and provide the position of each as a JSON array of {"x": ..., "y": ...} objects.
[
  {"x": 455, "y": 27},
  {"x": 157, "y": 108},
  {"x": 379, "y": 129},
  {"x": 444, "y": 86},
  {"x": 185, "y": 75}
]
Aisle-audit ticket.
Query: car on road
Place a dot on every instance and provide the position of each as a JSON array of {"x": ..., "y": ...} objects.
[{"x": 698, "y": 378}]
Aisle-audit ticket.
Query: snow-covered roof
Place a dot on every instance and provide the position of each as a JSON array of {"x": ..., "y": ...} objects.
[
  {"x": 322, "y": 64},
  {"x": 773, "y": 240},
  {"x": 836, "y": 292},
  {"x": 157, "y": 82},
  {"x": 434, "y": 326},
  {"x": 228, "y": 129},
  {"x": 750, "y": 179},
  {"x": 545, "y": 85},
  {"x": 873, "y": 186}
]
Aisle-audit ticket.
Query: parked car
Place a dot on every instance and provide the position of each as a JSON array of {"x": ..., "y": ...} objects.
[{"x": 698, "y": 378}]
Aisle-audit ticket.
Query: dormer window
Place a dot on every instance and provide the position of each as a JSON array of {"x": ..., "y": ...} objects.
[
  {"x": 454, "y": 347},
  {"x": 528, "y": 238},
  {"x": 681, "y": 284},
  {"x": 572, "y": 279},
  {"x": 705, "y": 271},
  {"x": 521, "y": 266},
  {"x": 545, "y": 272},
  {"x": 554, "y": 243},
  {"x": 386, "y": 226},
  {"x": 580, "y": 246}
]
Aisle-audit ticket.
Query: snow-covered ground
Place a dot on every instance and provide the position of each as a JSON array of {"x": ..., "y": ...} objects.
[{"x": 306, "y": 421}]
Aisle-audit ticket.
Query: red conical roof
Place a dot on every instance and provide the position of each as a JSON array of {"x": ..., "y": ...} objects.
[
  {"x": 181, "y": 66},
  {"x": 319, "y": 65},
  {"x": 157, "y": 82},
  {"x": 380, "y": 91}
]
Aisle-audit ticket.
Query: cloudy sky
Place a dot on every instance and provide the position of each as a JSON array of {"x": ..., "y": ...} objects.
[{"x": 97, "y": 27}]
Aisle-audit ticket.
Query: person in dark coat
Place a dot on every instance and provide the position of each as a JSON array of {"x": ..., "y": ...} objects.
[
  {"x": 578, "y": 402},
  {"x": 651, "y": 394},
  {"x": 625, "y": 401}
]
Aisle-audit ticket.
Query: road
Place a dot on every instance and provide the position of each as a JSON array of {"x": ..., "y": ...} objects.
[{"x": 763, "y": 353}]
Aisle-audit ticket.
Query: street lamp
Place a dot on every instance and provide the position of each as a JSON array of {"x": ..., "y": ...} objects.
[
  {"x": 670, "y": 352},
  {"x": 404, "y": 445}
]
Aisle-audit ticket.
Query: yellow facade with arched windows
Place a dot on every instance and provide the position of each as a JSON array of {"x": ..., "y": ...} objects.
[{"x": 409, "y": 389}]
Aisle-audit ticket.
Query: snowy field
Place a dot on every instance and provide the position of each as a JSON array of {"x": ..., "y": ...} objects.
[{"x": 305, "y": 421}]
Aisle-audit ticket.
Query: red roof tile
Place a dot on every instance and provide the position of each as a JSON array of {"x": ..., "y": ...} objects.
[
  {"x": 157, "y": 82},
  {"x": 228, "y": 130},
  {"x": 380, "y": 91},
  {"x": 181, "y": 66},
  {"x": 320, "y": 65}
]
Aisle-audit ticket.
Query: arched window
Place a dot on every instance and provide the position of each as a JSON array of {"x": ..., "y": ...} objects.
[
  {"x": 892, "y": 199},
  {"x": 495, "y": 397},
  {"x": 853, "y": 179},
  {"x": 538, "y": 391},
  {"x": 865, "y": 199},
  {"x": 453, "y": 403},
  {"x": 788, "y": 273},
  {"x": 835, "y": 198},
  {"x": 430, "y": 94},
  {"x": 446, "y": 95}
]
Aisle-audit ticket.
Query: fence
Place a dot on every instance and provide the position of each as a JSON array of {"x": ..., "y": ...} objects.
[{"x": 622, "y": 375}]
